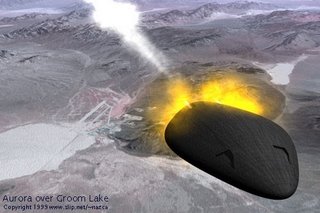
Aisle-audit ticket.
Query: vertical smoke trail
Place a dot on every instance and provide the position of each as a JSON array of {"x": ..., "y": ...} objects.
[{"x": 123, "y": 18}]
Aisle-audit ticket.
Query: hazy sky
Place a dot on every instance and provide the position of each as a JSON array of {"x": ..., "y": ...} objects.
[{"x": 16, "y": 4}]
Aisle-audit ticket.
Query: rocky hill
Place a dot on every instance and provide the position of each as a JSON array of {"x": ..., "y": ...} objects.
[{"x": 205, "y": 12}]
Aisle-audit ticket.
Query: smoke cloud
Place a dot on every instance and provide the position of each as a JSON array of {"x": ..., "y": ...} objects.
[{"x": 124, "y": 18}]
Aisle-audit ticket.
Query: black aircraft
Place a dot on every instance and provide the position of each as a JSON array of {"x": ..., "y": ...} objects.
[{"x": 243, "y": 149}]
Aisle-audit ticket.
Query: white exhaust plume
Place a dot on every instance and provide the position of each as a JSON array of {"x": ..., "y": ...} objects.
[{"x": 123, "y": 18}]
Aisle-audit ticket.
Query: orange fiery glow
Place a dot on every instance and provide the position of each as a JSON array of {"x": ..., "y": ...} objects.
[
  {"x": 231, "y": 92},
  {"x": 179, "y": 95}
]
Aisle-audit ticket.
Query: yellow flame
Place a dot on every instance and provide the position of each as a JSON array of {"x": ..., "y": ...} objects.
[
  {"x": 231, "y": 92},
  {"x": 179, "y": 96}
]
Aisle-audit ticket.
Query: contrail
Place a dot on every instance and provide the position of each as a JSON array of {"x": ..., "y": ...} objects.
[{"x": 124, "y": 18}]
